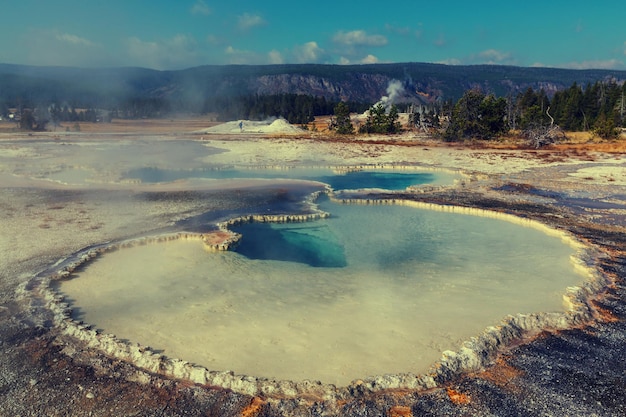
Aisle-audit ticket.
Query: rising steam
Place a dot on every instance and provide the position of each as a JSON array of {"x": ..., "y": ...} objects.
[{"x": 395, "y": 90}]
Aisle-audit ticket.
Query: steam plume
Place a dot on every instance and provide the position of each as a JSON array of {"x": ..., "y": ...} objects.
[{"x": 395, "y": 90}]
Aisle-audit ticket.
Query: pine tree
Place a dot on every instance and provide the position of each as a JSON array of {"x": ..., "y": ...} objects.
[
  {"x": 392, "y": 124},
  {"x": 342, "y": 123},
  {"x": 605, "y": 127}
]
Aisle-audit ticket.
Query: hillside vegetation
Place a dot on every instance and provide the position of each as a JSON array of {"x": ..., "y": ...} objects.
[
  {"x": 471, "y": 101},
  {"x": 193, "y": 88}
]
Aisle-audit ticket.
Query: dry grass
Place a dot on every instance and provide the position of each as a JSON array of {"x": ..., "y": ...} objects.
[
  {"x": 615, "y": 146},
  {"x": 320, "y": 124}
]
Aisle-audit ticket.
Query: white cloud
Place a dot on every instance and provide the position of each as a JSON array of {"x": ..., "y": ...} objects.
[
  {"x": 146, "y": 54},
  {"x": 400, "y": 30},
  {"x": 595, "y": 64},
  {"x": 352, "y": 46},
  {"x": 241, "y": 57},
  {"x": 488, "y": 56},
  {"x": 73, "y": 39},
  {"x": 53, "y": 47},
  {"x": 179, "y": 51},
  {"x": 200, "y": 8},
  {"x": 310, "y": 52},
  {"x": 450, "y": 61},
  {"x": 359, "y": 38},
  {"x": 247, "y": 21},
  {"x": 493, "y": 56},
  {"x": 275, "y": 57},
  {"x": 370, "y": 59}
]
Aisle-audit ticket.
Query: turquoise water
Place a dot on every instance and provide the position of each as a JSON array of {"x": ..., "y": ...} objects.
[
  {"x": 313, "y": 244},
  {"x": 386, "y": 179}
]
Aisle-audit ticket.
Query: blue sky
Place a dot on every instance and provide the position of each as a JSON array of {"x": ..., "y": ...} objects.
[{"x": 180, "y": 34}]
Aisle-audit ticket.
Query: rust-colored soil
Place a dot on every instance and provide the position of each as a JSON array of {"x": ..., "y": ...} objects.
[
  {"x": 501, "y": 374},
  {"x": 254, "y": 408},
  {"x": 457, "y": 397},
  {"x": 400, "y": 411}
]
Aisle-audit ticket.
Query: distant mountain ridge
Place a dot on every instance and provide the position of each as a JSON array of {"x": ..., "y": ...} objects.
[{"x": 189, "y": 88}]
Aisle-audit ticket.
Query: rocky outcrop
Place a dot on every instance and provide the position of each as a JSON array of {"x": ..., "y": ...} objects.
[{"x": 352, "y": 87}]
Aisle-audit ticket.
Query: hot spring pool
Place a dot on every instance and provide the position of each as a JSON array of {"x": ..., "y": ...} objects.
[
  {"x": 387, "y": 179},
  {"x": 371, "y": 290}
]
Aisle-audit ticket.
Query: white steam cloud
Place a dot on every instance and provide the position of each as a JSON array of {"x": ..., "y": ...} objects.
[{"x": 395, "y": 90}]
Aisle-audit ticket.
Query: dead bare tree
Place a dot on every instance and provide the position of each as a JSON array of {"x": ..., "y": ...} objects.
[
  {"x": 551, "y": 118},
  {"x": 543, "y": 135}
]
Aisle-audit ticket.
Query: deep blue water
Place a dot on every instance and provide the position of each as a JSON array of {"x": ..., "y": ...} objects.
[
  {"x": 321, "y": 243},
  {"x": 385, "y": 179},
  {"x": 311, "y": 243}
]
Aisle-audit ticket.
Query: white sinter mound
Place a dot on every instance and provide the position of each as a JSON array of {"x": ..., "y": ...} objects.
[{"x": 249, "y": 126}]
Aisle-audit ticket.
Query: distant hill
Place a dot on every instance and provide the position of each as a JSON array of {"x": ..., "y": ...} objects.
[{"x": 189, "y": 89}]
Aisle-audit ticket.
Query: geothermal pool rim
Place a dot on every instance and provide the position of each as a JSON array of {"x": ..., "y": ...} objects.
[{"x": 472, "y": 355}]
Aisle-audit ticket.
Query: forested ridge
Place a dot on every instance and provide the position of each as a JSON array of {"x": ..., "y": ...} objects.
[
  {"x": 572, "y": 99},
  {"x": 191, "y": 89}
]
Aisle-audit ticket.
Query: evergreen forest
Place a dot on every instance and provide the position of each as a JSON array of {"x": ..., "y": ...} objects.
[{"x": 599, "y": 108}]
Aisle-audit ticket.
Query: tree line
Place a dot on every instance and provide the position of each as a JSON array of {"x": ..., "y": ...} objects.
[
  {"x": 295, "y": 108},
  {"x": 599, "y": 108}
]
